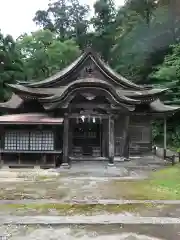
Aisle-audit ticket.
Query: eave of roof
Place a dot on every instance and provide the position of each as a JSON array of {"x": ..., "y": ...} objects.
[
  {"x": 56, "y": 76},
  {"x": 14, "y": 102},
  {"x": 53, "y": 93},
  {"x": 142, "y": 93},
  {"x": 160, "y": 107},
  {"x": 89, "y": 53},
  {"x": 30, "y": 119},
  {"x": 88, "y": 85},
  {"x": 32, "y": 91}
]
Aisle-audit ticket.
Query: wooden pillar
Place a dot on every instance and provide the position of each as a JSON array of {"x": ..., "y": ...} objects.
[
  {"x": 104, "y": 137},
  {"x": 65, "y": 160},
  {"x": 2, "y": 146},
  {"x": 165, "y": 137},
  {"x": 126, "y": 139},
  {"x": 70, "y": 136},
  {"x": 111, "y": 140}
]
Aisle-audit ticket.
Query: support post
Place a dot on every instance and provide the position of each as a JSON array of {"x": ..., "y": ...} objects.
[
  {"x": 65, "y": 160},
  {"x": 104, "y": 137},
  {"x": 111, "y": 140},
  {"x": 165, "y": 137},
  {"x": 126, "y": 148},
  {"x": 173, "y": 160}
]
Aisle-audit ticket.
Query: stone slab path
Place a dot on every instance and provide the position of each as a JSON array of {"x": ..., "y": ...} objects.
[
  {"x": 82, "y": 181},
  {"x": 90, "y": 202},
  {"x": 86, "y": 220},
  {"x": 91, "y": 232}
]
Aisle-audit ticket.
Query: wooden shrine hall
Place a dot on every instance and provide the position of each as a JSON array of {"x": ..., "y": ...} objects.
[{"x": 84, "y": 112}]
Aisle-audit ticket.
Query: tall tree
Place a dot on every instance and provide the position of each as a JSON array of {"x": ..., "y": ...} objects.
[
  {"x": 11, "y": 66},
  {"x": 68, "y": 18},
  {"x": 105, "y": 27},
  {"x": 44, "y": 54},
  {"x": 144, "y": 8},
  {"x": 139, "y": 47},
  {"x": 168, "y": 74}
]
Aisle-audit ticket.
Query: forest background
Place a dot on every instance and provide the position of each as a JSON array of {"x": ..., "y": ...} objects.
[{"x": 140, "y": 40}]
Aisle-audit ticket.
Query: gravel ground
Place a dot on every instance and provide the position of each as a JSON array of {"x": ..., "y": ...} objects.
[
  {"x": 116, "y": 232},
  {"x": 82, "y": 181},
  {"x": 85, "y": 181}
]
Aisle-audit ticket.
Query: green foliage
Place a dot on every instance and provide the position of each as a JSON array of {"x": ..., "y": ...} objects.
[
  {"x": 67, "y": 18},
  {"x": 143, "y": 7},
  {"x": 168, "y": 73},
  {"x": 44, "y": 54},
  {"x": 104, "y": 23},
  {"x": 11, "y": 66}
]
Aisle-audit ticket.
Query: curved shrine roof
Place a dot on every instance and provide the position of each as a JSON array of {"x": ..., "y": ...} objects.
[
  {"x": 115, "y": 87},
  {"x": 88, "y": 54},
  {"x": 48, "y": 94}
]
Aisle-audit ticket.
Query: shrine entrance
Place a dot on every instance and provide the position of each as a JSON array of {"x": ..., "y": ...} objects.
[
  {"x": 88, "y": 129},
  {"x": 86, "y": 137}
]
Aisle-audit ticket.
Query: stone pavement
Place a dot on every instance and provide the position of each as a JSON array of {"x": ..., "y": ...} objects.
[
  {"x": 86, "y": 220},
  {"x": 90, "y": 202},
  {"x": 125, "y": 226}
]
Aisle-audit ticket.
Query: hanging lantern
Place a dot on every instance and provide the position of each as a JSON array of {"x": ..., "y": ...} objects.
[
  {"x": 94, "y": 120},
  {"x": 83, "y": 118}
]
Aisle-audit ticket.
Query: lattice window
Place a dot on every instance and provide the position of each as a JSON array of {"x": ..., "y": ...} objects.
[
  {"x": 47, "y": 141},
  {"x": 35, "y": 141},
  {"x": 22, "y": 140},
  {"x": 10, "y": 140}
]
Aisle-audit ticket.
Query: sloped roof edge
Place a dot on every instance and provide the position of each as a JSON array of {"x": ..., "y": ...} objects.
[
  {"x": 158, "y": 106},
  {"x": 88, "y": 53},
  {"x": 50, "y": 93},
  {"x": 14, "y": 102}
]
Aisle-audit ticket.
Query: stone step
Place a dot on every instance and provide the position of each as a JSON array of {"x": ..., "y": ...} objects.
[
  {"x": 90, "y": 201},
  {"x": 89, "y": 232},
  {"x": 86, "y": 220}
]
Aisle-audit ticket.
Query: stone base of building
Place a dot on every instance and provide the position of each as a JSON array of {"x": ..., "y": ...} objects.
[{"x": 65, "y": 166}]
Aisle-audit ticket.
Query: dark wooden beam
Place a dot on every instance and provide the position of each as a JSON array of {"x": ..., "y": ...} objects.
[
  {"x": 78, "y": 115},
  {"x": 126, "y": 138},
  {"x": 111, "y": 140},
  {"x": 65, "y": 160},
  {"x": 104, "y": 137},
  {"x": 90, "y": 106}
]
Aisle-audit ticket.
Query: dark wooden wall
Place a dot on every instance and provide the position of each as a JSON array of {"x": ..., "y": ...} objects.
[
  {"x": 120, "y": 134},
  {"x": 140, "y": 133}
]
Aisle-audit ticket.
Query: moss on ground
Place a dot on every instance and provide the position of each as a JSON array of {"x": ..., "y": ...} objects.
[
  {"x": 162, "y": 185},
  {"x": 67, "y": 209}
]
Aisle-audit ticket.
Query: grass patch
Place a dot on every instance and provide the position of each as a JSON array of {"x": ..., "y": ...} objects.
[
  {"x": 33, "y": 190},
  {"x": 67, "y": 209},
  {"x": 162, "y": 185}
]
